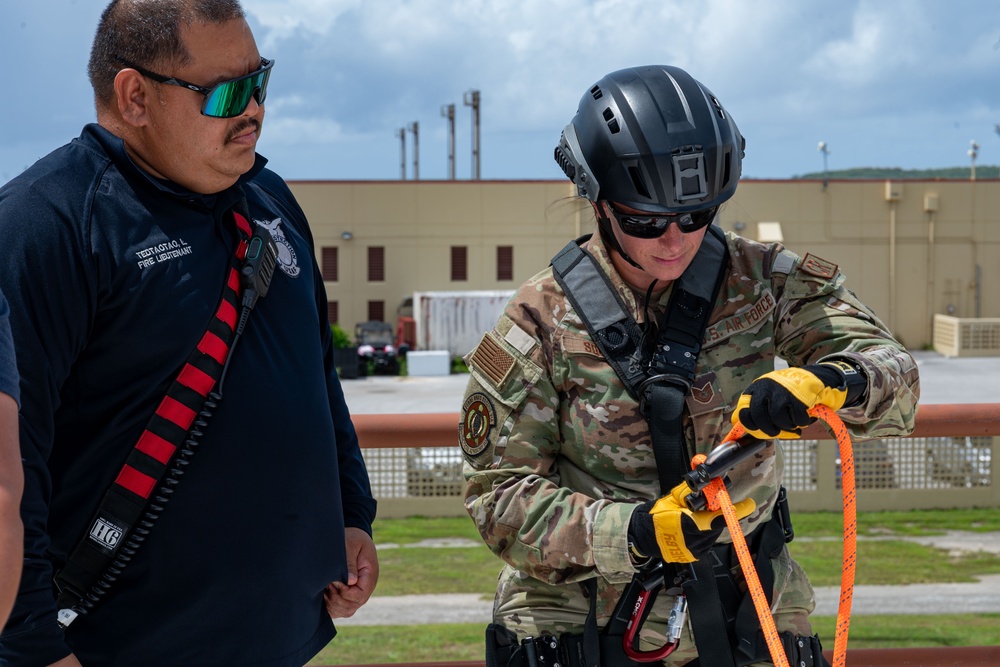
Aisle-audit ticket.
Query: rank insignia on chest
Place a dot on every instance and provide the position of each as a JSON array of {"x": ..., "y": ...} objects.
[{"x": 703, "y": 394}]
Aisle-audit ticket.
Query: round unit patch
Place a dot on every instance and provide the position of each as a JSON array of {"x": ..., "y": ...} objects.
[{"x": 478, "y": 418}]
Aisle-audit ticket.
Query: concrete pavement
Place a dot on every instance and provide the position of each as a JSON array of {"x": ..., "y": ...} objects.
[{"x": 942, "y": 380}]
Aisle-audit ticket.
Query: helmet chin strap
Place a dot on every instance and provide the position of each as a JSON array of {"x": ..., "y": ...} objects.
[{"x": 610, "y": 240}]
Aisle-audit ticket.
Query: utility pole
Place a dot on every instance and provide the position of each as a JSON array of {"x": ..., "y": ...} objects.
[
  {"x": 471, "y": 99},
  {"x": 401, "y": 133},
  {"x": 448, "y": 111},
  {"x": 415, "y": 130},
  {"x": 973, "y": 152},
  {"x": 825, "y": 150}
]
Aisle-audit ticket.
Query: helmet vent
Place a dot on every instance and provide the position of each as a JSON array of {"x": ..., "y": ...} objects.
[
  {"x": 640, "y": 185},
  {"x": 728, "y": 168},
  {"x": 596, "y": 92},
  {"x": 718, "y": 107},
  {"x": 609, "y": 117},
  {"x": 565, "y": 163}
]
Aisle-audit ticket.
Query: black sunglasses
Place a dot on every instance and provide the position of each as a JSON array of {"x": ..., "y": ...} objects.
[
  {"x": 226, "y": 99},
  {"x": 654, "y": 226}
]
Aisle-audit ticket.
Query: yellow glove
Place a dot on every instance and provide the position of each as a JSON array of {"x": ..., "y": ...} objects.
[
  {"x": 677, "y": 533},
  {"x": 777, "y": 404}
]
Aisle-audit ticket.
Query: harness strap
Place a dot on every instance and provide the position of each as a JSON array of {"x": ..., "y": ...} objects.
[
  {"x": 602, "y": 311},
  {"x": 672, "y": 369},
  {"x": 116, "y": 530}
]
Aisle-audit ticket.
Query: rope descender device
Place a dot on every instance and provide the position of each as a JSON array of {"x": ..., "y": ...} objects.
[{"x": 706, "y": 480}]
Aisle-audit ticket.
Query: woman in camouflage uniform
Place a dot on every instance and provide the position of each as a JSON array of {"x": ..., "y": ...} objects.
[{"x": 562, "y": 481}]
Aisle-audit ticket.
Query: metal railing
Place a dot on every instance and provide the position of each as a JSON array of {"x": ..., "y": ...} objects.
[{"x": 415, "y": 463}]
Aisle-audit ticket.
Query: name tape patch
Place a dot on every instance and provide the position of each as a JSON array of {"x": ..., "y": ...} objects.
[{"x": 742, "y": 321}]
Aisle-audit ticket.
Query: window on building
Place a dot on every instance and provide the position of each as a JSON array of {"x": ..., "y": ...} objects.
[
  {"x": 376, "y": 264},
  {"x": 330, "y": 266},
  {"x": 376, "y": 311},
  {"x": 505, "y": 262},
  {"x": 333, "y": 311},
  {"x": 459, "y": 263}
]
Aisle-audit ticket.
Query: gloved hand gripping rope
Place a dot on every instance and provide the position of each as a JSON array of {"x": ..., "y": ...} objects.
[{"x": 717, "y": 498}]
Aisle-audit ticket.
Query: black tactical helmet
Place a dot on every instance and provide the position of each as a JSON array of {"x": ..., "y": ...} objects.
[{"x": 652, "y": 138}]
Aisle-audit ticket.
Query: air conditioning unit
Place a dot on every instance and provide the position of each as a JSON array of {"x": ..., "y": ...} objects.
[
  {"x": 931, "y": 202},
  {"x": 966, "y": 337}
]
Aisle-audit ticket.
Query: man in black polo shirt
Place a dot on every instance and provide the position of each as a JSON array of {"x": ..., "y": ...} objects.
[{"x": 116, "y": 250}]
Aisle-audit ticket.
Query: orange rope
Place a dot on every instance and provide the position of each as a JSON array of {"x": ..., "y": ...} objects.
[
  {"x": 718, "y": 498},
  {"x": 850, "y": 530}
]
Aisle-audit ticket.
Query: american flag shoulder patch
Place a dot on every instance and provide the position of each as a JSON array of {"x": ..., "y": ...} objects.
[{"x": 493, "y": 361}]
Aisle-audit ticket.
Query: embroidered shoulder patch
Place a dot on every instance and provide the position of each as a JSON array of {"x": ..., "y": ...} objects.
[
  {"x": 816, "y": 266},
  {"x": 478, "y": 418},
  {"x": 493, "y": 360}
]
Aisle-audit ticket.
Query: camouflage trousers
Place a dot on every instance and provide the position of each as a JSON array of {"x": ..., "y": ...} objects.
[{"x": 530, "y": 607}]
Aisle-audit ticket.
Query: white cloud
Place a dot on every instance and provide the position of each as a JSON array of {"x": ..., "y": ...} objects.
[
  {"x": 904, "y": 82},
  {"x": 288, "y": 19}
]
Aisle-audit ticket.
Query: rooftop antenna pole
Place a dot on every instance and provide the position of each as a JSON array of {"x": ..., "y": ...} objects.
[
  {"x": 448, "y": 111},
  {"x": 825, "y": 150},
  {"x": 973, "y": 152},
  {"x": 471, "y": 99},
  {"x": 415, "y": 129},
  {"x": 401, "y": 133}
]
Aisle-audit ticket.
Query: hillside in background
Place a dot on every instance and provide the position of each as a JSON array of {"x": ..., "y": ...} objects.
[{"x": 962, "y": 173}]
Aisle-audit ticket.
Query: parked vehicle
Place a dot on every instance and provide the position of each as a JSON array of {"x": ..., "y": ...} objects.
[{"x": 377, "y": 352}]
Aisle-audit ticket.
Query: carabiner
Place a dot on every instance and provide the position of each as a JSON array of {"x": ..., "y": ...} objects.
[{"x": 650, "y": 589}]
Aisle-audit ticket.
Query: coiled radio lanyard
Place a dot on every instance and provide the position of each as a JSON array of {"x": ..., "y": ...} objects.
[{"x": 155, "y": 466}]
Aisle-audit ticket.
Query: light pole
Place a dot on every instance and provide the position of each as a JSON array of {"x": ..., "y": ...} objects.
[
  {"x": 471, "y": 99},
  {"x": 448, "y": 111},
  {"x": 973, "y": 152},
  {"x": 415, "y": 130},
  {"x": 401, "y": 133},
  {"x": 825, "y": 150}
]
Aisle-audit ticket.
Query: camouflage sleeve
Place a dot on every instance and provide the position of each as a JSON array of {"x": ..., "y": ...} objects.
[
  {"x": 821, "y": 319},
  {"x": 527, "y": 511}
]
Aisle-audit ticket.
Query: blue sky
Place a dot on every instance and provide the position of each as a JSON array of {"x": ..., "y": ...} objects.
[{"x": 887, "y": 83}]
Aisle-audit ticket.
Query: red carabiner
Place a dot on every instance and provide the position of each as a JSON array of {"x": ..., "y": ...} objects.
[{"x": 633, "y": 630}]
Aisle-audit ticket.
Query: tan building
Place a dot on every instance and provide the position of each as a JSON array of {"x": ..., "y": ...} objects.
[{"x": 910, "y": 249}]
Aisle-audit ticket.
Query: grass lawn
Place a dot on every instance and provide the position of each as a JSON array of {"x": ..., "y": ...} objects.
[{"x": 424, "y": 570}]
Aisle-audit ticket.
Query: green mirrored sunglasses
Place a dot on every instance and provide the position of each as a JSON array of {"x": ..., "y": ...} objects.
[{"x": 226, "y": 99}]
